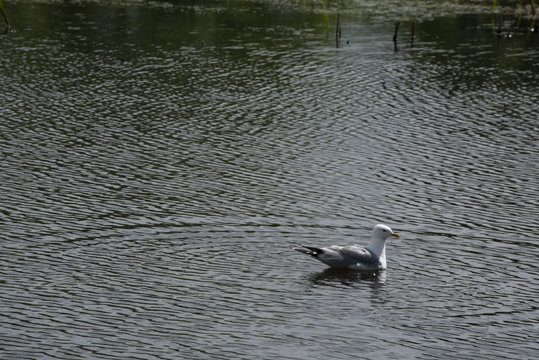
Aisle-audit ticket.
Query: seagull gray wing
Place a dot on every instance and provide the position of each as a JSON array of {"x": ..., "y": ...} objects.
[
  {"x": 348, "y": 257},
  {"x": 357, "y": 253}
]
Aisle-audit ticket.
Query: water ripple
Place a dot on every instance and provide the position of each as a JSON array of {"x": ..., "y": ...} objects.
[{"x": 152, "y": 188}]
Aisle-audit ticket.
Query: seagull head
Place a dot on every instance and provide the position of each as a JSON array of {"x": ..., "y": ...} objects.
[
  {"x": 378, "y": 243},
  {"x": 382, "y": 232}
]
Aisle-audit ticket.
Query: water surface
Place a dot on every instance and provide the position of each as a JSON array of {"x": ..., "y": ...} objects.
[{"x": 158, "y": 163}]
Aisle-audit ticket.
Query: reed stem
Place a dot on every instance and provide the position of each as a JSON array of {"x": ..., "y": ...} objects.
[
  {"x": 4, "y": 15},
  {"x": 396, "y": 35},
  {"x": 413, "y": 34},
  {"x": 338, "y": 32}
]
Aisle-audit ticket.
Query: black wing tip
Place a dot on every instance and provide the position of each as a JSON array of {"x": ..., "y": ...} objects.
[{"x": 309, "y": 250}]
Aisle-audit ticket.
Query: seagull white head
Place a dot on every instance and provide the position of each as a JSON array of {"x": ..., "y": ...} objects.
[
  {"x": 378, "y": 243},
  {"x": 382, "y": 232}
]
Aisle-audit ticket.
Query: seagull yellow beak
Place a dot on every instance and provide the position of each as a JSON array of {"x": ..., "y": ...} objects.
[{"x": 396, "y": 235}]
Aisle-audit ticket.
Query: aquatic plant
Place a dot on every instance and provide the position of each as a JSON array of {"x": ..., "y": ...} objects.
[
  {"x": 4, "y": 14},
  {"x": 498, "y": 30},
  {"x": 532, "y": 3},
  {"x": 326, "y": 16}
]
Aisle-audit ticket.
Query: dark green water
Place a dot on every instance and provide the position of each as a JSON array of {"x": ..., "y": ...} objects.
[{"x": 158, "y": 161}]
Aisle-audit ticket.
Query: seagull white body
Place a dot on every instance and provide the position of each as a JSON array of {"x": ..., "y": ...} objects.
[{"x": 355, "y": 257}]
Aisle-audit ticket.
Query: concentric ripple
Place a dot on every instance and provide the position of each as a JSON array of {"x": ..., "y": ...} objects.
[{"x": 157, "y": 165}]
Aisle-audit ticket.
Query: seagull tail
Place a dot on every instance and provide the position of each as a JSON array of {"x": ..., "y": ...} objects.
[{"x": 309, "y": 250}]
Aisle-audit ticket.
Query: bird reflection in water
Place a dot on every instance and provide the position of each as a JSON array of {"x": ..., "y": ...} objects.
[{"x": 334, "y": 276}]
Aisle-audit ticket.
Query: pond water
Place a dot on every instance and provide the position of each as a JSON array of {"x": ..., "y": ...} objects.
[{"x": 159, "y": 162}]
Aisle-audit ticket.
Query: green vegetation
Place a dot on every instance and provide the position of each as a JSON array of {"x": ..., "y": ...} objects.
[
  {"x": 4, "y": 14},
  {"x": 326, "y": 16},
  {"x": 532, "y": 3}
]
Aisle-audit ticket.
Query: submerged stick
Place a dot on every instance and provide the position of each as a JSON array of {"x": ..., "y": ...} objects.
[
  {"x": 338, "y": 30},
  {"x": 499, "y": 30},
  {"x": 413, "y": 34},
  {"x": 397, "y": 25},
  {"x": 395, "y": 37}
]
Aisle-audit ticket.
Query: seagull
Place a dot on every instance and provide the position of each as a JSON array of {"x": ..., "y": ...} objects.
[{"x": 355, "y": 257}]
